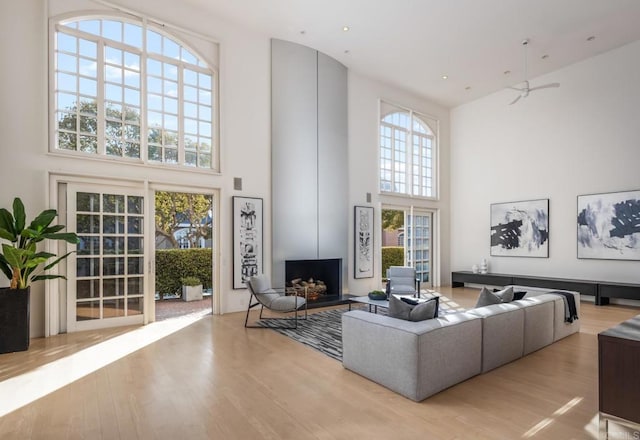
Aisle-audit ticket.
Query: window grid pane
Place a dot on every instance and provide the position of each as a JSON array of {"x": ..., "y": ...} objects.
[
  {"x": 122, "y": 102},
  {"x": 110, "y": 263},
  {"x": 179, "y": 100},
  {"x": 198, "y": 115},
  {"x": 75, "y": 93},
  {"x": 406, "y": 169}
]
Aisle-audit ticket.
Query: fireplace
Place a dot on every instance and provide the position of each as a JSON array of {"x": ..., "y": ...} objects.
[{"x": 327, "y": 271}]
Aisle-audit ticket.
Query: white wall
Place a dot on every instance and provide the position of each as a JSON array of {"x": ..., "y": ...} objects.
[
  {"x": 245, "y": 129},
  {"x": 581, "y": 138},
  {"x": 245, "y": 123},
  {"x": 363, "y": 167}
]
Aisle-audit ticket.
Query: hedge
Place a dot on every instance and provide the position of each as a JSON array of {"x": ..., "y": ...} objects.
[
  {"x": 174, "y": 264},
  {"x": 391, "y": 256}
]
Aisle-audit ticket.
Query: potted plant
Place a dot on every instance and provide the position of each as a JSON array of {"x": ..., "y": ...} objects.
[
  {"x": 378, "y": 295},
  {"x": 23, "y": 263},
  {"x": 191, "y": 289}
]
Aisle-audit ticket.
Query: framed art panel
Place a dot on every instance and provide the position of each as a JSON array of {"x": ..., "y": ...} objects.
[
  {"x": 247, "y": 239},
  {"x": 609, "y": 226},
  {"x": 520, "y": 229},
  {"x": 363, "y": 242}
]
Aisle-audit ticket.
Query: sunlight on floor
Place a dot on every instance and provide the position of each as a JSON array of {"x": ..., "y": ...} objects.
[
  {"x": 549, "y": 420},
  {"x": 29, "y": 387}
]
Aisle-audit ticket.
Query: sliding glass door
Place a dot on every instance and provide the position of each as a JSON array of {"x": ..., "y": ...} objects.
[
  {"x": 407, "y": 240},
  {"x": 418, "y": 243}
]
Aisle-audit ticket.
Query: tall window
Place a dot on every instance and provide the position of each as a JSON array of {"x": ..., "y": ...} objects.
[
  {"x": 124, "y": 89},
  {"x": 410, "y": 229},
  {"x": 407, "y": 152},
  {"x": 418, "y": 246}
]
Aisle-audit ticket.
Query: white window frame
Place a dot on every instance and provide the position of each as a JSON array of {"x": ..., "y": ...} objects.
[
  {"x": 417, "y": 207},
  {"x": 432, "y": 124},
  {"x": 203, "y": 66}
]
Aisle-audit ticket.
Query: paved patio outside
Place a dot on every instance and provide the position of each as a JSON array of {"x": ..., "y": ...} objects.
[{"x": 171, "y": 308}]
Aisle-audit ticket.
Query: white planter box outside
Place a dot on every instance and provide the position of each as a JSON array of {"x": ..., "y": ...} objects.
[{"x": 192, "y": 293}]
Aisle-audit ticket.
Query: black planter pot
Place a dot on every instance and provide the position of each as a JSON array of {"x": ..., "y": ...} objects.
[{"x": 14, "y": 320}]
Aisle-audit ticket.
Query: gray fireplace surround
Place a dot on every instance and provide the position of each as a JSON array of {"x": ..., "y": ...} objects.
[{"x": 310, "y": 214}]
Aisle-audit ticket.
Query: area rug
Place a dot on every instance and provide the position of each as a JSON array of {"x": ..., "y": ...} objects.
[{"x": 323, "y": 330}]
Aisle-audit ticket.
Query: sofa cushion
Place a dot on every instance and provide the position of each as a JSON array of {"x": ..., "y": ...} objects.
[
  {"x": 561, "y": 329},
  {"x": 415, "y": 359},
  {"x": 487, "y": 298},
  {"x": 410, "y": 312},
  {"x": 538, "y": 321},
  {"x": 502, "y": 334}
]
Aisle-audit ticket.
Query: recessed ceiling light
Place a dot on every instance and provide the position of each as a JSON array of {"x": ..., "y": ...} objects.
[
  {"x": 345, "y": 28},
  {"x": 591, "y": 38},
  {"x": 545, "y": 56},
  {"x": 445, "y": 77},
  {"x": 507, "y": 72}
]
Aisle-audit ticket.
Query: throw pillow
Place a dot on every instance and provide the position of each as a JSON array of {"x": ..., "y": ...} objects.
[
  {"x": 505, "y": 295},
  {"x": 487, "y": 298},
  {"x": 411, "y": 301},
  {"x": 398, "y": 308},
  {"x": 517, "y": 294}
]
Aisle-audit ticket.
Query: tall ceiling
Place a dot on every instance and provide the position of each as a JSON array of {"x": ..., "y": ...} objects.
[{"x": 412, "y": 44}]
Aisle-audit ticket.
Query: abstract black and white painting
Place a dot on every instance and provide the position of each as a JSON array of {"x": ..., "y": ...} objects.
[
  {"x": 609, "y": 226},
  {"x": 520, "y": 229},
  {"x": 363, "y": 239},
  {"x": 247, "y": 239}
]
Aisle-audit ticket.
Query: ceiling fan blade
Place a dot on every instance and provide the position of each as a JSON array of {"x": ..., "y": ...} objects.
[
  {"x": 545, "y": 86},
  {"x": 524, "y": 88},
  {"x": 515, "y": 100}
]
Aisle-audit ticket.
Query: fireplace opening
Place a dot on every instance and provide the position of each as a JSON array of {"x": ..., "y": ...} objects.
[{"x": 321, "y": 278}]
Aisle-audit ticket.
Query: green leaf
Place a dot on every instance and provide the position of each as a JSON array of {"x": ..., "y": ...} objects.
[
  {"x": 23, "y": 254},
  {"x": 50, "y": 265},
  {"x": 43, "y": 220},
  {"x": 7, "y": 235},
  {"x": 54, "y": 228},
  {"x": 69, "y": 237},
  {"x": 13, "y": 255},
  {"x": 4, "y": 267},
  {"x": 46, "y": 255},
  {"x": 35, "y": 261},
  {"x": 6, "y": 222},
  {"x": 30, "y": 233},
  {"x": 18, "y": 212}
]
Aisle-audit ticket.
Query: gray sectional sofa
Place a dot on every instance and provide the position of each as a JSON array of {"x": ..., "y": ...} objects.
[{"x": 419, "y": 359}]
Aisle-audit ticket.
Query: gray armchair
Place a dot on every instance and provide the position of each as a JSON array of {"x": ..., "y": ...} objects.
[
  {"x": 402, "y": 280},
  {"x": 274, "y": 300}
]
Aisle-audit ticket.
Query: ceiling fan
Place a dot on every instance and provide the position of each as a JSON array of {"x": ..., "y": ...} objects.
[{"x": 524, "y": 91}]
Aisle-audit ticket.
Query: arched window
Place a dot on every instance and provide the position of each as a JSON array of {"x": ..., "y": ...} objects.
[
  {"x": 407, "y": 152},
  {"x": 125, "y": 89}
]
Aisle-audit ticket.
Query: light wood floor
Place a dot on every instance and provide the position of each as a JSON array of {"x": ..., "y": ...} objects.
[{"x": 215, "y": 380}]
